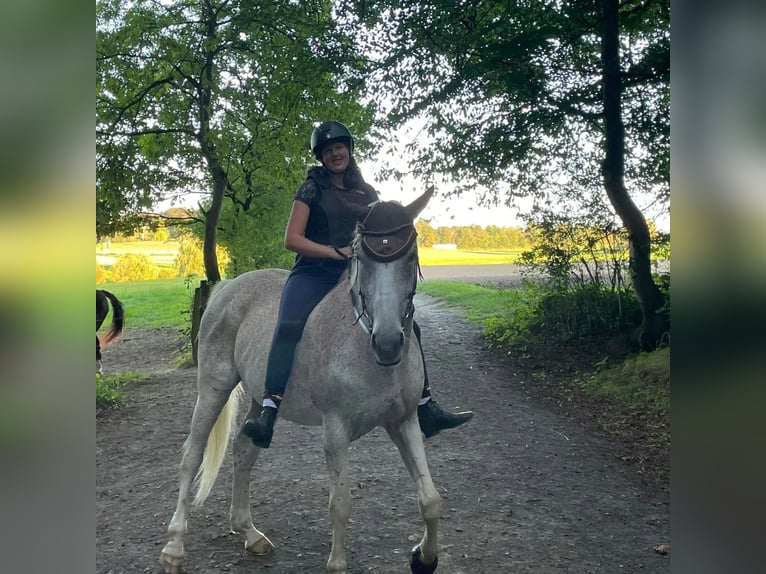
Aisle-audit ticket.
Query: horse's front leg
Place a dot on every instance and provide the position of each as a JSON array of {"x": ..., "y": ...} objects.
[
  {"x": 336, "y": 442},
  {"x": 409, "y": 441}
]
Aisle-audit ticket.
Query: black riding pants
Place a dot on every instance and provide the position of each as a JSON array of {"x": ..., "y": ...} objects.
[{"x": 306, "y": 285}]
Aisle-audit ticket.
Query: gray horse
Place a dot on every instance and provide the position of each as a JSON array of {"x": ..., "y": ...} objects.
[{"x": 356, "y": 368}]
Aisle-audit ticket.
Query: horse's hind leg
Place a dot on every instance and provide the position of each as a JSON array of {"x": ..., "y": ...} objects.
[
  {"x": 245, "y": 454},
  {"x": 336, "y": 443},
  {"x": 209, "y": 404},
  {"x": 409, "y": 441}
]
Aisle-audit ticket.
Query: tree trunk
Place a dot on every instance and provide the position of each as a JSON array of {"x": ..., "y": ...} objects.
[
  {"x": 655, "y": 323},
  {"x": 212, "y": 217}
]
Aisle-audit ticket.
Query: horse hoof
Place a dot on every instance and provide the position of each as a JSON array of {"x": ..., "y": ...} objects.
[
  {"x": 260, "y": 547},
  {"x": 416, "y": 563},
  {"x": 170, "y": 564}
]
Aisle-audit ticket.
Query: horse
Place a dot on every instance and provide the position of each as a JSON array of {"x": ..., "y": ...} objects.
[
  {"x": 103, "y": 297},
  {"x": 370, "y": 376}
]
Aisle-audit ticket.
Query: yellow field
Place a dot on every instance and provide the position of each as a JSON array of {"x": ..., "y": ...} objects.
[{"x": 164, "y": 252}]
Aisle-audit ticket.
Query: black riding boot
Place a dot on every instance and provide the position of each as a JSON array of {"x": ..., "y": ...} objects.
[
  {"x": 260, "y": 430},
  {"x": 433, "y": 419}
]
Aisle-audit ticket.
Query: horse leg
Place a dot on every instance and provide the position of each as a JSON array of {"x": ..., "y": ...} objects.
[
  {"x": 336, "y": 444},
  {"x": 210, "y": 401},
  {"x": 245, "y": 454},
  {"x": 409, "y": 441}
]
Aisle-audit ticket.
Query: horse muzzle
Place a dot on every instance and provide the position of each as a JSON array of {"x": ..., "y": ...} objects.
[{"x": 387, "y": 348}]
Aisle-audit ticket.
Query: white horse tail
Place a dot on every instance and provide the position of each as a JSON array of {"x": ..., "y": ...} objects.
[{"x": 215, "y": 449}]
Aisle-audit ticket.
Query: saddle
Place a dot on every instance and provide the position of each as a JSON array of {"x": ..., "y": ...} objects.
[{"x": 387, "y": 231}]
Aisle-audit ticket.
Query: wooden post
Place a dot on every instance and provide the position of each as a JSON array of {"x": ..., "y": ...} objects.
[{"x": 201, "y": 295}]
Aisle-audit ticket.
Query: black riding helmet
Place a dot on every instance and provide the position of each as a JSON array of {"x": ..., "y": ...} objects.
[{"x": 327, "y": 132}]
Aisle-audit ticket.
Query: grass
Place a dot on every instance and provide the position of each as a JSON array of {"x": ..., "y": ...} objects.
[
  {"x": 110, "y": 388},
  {"x": 475, "y": 302},
  {"x": 640, "y": 383},
  {"x": 430, "y": 256},
  {"x": 161, "y": 303}
]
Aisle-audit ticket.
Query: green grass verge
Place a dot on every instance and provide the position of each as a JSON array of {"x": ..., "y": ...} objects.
[
  {"x": 475, "y": 302},
  {"x": 640, "y": 383},
  {"x": 161, "y": 303}
]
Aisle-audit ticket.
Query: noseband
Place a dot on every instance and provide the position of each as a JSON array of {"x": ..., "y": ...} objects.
[{"x": 386, "y": 234}]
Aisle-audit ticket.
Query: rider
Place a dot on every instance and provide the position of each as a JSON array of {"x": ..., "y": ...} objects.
[{"x": 326, "y": 208}]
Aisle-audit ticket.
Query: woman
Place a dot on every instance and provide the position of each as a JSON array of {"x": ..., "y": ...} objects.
[{"x": 326, "y": 209}]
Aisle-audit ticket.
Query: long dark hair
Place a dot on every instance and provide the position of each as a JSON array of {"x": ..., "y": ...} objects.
[{"x": 352, "y": 177}]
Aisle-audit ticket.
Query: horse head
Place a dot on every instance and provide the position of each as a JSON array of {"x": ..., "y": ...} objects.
[{"x": 383, "y": 275}]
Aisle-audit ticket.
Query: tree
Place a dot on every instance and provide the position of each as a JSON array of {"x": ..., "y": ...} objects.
[
  {"x": 558, "y": 101},
  {"x": 212, "y": 96},
  {"x": 426, "y": 233}
]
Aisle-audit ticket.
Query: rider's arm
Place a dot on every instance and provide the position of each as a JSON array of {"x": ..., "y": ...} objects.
[{"x": 296, "y": 240}]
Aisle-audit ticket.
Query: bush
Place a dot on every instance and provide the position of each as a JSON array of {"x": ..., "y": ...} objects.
[
  {"x": 189, "y": 260},
  {"x": 584, "y": 313},
  {"x": 101, "y": 275},
  {"x": 134, "y": 267},
  {"x": 110, "y": 388}
]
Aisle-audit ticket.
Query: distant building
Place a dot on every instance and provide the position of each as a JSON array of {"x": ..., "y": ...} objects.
[{"x": 444, "y": 246}]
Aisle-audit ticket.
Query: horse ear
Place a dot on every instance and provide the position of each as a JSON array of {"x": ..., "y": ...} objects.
[{"x": 414, "y": 208}]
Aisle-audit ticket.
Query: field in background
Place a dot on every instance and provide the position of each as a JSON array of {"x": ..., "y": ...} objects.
[
  {"x": 161, "y": 252},
  {"x": 164, "y": 253}
]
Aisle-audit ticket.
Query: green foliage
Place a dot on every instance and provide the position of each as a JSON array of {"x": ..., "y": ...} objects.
[
  {"x": 573, "y": 251},
  {"x": 253, "y": 233},
  {"x": 110, "y": 388},
  {"x": 188, "y": 262},
  {"x": 133, "y": 267},
  {"x": 518, "y": 85},
  {"x": 101, "y": 275},
  {"x": 217, "y": 99}
]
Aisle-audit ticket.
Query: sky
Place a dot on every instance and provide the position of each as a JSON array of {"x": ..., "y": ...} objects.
[{"x": 442, "y": 211}]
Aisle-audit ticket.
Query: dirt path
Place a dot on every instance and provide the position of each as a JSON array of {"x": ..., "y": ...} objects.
[{"x": 525, "y": 490}]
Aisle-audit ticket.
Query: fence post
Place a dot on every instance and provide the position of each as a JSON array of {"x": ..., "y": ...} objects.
[{"x": 201, "y": 295}]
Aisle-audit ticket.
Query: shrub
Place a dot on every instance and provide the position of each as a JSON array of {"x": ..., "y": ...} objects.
[
  {"x": 548, "y": 315},
  {"x": 110, "y": 388},
  {"x": 101, "y": 275},
  {"x": 189, "y": 261},
  {"x": 134, "y": 267}
]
